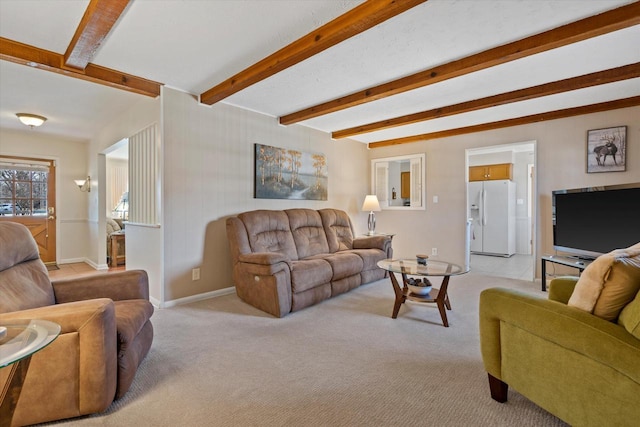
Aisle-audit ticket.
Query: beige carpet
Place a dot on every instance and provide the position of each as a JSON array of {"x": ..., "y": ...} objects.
[{"x": 344, "y": 362}]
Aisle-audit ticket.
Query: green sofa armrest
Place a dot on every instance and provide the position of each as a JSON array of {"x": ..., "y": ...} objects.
[
  {"x": 573, "y": 329},
  {"x": 561, "y": 288}
]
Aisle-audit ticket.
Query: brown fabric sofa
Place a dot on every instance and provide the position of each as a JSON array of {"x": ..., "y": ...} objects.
[
  {"x": 105, "y": 331},
  {"x": 286, "y": 260}
]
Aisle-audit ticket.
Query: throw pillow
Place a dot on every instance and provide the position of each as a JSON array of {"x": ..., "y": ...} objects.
[
  {"x": 630, "y": 317},
  {"x": 608, "y": 283},
  {"x": 112, "y": 226}
]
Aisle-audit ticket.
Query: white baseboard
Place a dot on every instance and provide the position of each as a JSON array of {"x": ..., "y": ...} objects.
[
  {"x": 86, "y": 261},
  {"x": 193, "y": 298}
]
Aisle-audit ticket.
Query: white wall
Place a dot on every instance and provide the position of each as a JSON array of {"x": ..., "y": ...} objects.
[
  {"x": 208, "y": 176},
  {"x": 561, "y": 163},
  {"x": 147, "y": 253},
  {"x": 71, "y": 203}
]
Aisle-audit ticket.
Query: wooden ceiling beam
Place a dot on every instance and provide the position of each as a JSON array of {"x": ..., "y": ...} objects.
[
  {"x": 534, "y": 118},
  {"x": 606, "y": 22},
  {"x": 349, "y": 24},
  {"x": 580, "y": 82},
  {"x": 96, "y": 23},
  {"x": 46, "y": 60}
]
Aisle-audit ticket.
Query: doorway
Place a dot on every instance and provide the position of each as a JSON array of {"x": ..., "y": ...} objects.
[
  {"x": 116, "y": 196},
  {"x": 28, "y": 196},
  {"x": 520, "y": 264}
]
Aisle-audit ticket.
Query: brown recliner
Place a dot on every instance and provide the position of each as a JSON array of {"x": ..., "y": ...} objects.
[{"x": 105, "y": 331}]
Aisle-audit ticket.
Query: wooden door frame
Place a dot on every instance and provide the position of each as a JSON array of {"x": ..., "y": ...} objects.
[{"x": 52, "y": 196}]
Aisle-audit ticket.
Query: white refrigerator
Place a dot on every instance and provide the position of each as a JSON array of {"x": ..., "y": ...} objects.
[{"x": 492, "y": 211}]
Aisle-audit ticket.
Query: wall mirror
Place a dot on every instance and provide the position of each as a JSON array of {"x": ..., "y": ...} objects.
[{"x": 399, "y": 182}]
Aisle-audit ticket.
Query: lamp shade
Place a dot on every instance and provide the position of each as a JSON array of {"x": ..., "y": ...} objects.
[{"x": 371, "y": 203}]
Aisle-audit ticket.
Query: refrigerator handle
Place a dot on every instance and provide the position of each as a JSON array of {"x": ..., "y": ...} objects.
[{"x": 484, "y": 207}]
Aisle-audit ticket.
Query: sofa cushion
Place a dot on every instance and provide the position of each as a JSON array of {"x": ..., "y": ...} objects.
[
  {"x": 370, "y": 258},
  {"x": 268, "y": 231},
  {"x": 338, "y": 228},
  {"x": 308, "y": 232},
  {"x": 309, "y": 273},
  {"x": 608, "y": 283},
  {"x": 344, "y": 265},
  {"x": 24, "y": 281},
  {"x": 630, "y": 317}
]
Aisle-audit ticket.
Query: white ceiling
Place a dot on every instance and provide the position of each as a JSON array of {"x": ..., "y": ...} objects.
[{"x": 192, "y": 45}]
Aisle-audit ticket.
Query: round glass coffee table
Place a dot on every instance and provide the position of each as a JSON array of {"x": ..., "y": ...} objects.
[
  {"x": 411, "y": 267},
  {"x": 19, "y": 340}
]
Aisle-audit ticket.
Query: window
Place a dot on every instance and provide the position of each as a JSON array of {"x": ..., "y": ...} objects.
[
  {"x": 399, "y": 182},
  {"x": 23, "y": 189}
]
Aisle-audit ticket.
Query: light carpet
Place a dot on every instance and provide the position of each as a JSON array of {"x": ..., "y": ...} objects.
[{"x": 344, "y": 362}]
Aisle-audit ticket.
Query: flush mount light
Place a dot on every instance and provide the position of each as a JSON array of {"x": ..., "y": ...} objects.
[{"x": 31, "y": 120}]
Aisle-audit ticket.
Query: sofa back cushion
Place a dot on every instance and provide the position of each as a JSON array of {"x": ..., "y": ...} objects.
[
  {"x": 24, "y": 281},
  {"x": 338, "y": 228},
  {"x": 609, "y": 283},
  {"x": 630, "y": 317},
  {"x": 308, "y": 232},
  {"x": 269, "y": 231}
]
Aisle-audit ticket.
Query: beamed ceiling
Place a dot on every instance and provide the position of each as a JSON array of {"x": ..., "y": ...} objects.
[{"x": 381, "y": 72}]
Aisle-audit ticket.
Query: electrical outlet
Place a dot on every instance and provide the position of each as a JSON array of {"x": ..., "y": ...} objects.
[
  {"x": 195, "y": 274},
  {"x": 434, "y": 251}
]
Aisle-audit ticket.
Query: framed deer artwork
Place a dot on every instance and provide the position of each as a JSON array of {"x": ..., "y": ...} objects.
[{"x": 607, "y": 150}]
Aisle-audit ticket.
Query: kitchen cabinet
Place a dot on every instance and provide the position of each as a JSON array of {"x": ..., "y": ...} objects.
[{"x": 491, "y": 172}]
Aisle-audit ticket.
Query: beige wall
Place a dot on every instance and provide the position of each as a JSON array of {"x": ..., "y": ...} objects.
[
  {"x": 208, "y": 176},
  {"x": 71, "y": 203},
  {"x": 561, "y": 163}
]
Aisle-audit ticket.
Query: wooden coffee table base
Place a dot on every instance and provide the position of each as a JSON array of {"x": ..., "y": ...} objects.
[{"x": 437, "y": 296}]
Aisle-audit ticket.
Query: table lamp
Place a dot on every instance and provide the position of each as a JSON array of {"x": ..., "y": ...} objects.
[{"x": 371, "y": 204}]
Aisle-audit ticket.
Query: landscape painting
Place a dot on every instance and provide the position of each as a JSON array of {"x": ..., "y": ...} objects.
[
  {"x": 282, "y": 173},
  {"x": 607, "y": 149}
]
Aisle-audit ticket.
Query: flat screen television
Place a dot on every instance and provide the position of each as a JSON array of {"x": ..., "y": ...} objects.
[{"x": 591, "y": 221}]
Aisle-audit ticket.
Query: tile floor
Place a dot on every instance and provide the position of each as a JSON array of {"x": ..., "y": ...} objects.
[{"x": 514, "y": 267}]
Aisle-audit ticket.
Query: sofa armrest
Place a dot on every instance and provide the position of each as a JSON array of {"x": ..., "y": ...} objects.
[
  {"x": 372, "y": 242},
  {"x": 263, "y": 258},
  {"x": 77, "y": 372},
  {"x": 571, "y": 329},
  {"x": 126, "y": 285},
  {"x": 561, "y": 288}
]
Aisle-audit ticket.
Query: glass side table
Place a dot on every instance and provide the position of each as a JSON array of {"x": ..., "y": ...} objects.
[
  {"x": 406, "y": 267},
  {"x": 19, "y": 340}
]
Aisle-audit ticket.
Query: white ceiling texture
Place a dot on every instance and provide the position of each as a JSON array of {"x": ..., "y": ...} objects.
[{"x": 192, "y": 45}]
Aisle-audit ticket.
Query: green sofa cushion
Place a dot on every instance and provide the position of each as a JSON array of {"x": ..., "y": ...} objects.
[{"x": 630, "y": 317}]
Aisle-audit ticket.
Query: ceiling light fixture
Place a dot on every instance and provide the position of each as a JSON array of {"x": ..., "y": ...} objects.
[{"x": 31, "y": 120}]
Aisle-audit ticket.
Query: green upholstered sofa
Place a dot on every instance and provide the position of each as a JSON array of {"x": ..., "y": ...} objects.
[{"x": 578, "y": 366}]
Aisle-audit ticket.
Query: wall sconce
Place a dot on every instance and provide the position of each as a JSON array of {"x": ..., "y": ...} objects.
[
  {"x": 84, "y": 185},
  {"x": 371, "y": 204},
  {"x": 31, "y": 120}
]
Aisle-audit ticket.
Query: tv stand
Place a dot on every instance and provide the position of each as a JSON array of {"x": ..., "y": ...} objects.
[{"x": 574, "y": 262}]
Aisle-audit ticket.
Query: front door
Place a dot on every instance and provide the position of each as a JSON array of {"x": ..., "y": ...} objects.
[{"x": 27, "y": 196}]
